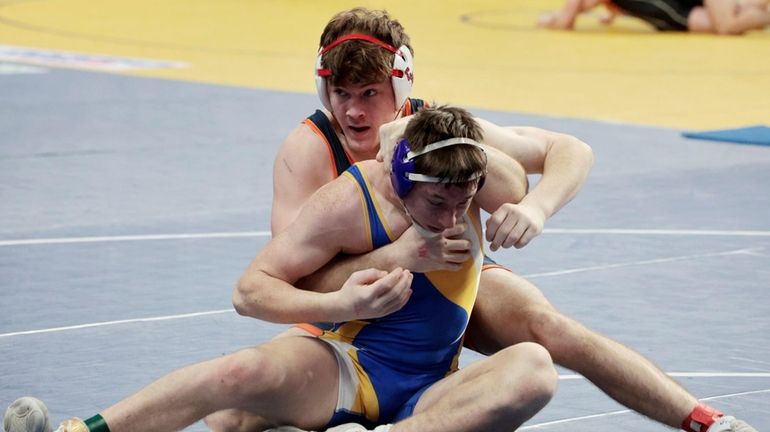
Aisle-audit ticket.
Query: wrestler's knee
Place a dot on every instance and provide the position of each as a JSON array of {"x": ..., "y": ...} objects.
[
  {"x": 528, "y": 378},
  {"x": 248, "y": 374},
  {"x": 541, "y": 377}
]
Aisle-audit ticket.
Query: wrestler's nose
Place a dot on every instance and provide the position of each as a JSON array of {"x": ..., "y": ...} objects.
[
  {"x": 354, "y": 110},
  {"x": 446, "y": 218}
]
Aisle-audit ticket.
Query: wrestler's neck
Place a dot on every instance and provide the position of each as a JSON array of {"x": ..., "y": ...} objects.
[{"x": 356, "y": 150}]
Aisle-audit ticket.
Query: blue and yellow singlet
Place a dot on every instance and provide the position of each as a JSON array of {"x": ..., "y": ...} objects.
[{"x": 396, "y": 357}]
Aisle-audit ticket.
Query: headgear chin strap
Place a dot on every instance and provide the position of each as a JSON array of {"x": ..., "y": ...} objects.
[
  {"x": 402, "y": 174},
  {"x": 402, "y": 74}
]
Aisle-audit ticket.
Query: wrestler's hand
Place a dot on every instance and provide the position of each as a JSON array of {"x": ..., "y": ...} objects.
[
  {"x": 443, "y": 251},
  {"x": 514, "y": 225},
  {"x": 374, "y": 293},
  {"x": 609, "y": 16},
  {"x": 390, "y": 133},
  {"x": 547, "y": 19}
]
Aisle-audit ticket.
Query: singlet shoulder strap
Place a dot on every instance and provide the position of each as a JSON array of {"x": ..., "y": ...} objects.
[
  {"x": 321, "y": 125},
  {"x": 414, "y": 105},
  {"x": 379, "y": 231}
]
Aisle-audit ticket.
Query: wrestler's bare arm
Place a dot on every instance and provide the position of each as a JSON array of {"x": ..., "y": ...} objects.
[
  {"x": 563, "y": 160},
  {"x": 506, "y": 182},
  {"x": 330, "y": 223},
  {"x": 300, "y": 168}
]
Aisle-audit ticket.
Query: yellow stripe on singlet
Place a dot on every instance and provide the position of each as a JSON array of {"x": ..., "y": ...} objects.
[{"x": 366, "y": 399}]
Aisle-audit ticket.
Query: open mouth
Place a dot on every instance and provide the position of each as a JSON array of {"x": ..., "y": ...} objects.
[{"x": 359, "y": 129}]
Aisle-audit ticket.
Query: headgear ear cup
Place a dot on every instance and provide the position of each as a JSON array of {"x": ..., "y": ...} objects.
[
  {"x": 400, "y": 167},
  {"x": 320, "y": 80},
  {"x": 402, "y": 73}
]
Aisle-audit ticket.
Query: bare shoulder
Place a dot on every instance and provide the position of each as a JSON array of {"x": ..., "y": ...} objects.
[
  {"x": 334, "y": 195},
  {"x": 529, "y": 145},
  {"x": 374, "y": 169},
  {"x": 335, "y": 212},
  {"x": 323, "y": 227},
  {"x": 521, "y": 134},
  {"x": 301, "y": 166},
  {"x": 304, "y": 155}
]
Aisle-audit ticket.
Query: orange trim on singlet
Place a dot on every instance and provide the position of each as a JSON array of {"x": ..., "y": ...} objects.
[
  {"x": 318, "y": 132},
  {"x": 408, "y": 107},
  {"x": 494, "y": 266},
  {"x": 310, "y": 328}
]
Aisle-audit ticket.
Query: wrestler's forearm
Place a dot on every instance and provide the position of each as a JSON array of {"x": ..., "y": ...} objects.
[
  {"x": 333, "y": 275},
  {"x": 259, "y": 295}
]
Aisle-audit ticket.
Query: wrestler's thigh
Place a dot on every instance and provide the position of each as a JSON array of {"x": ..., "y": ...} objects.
[
  {"x": 470, "y": 386},
  {"x": 499, "y": 317},
  {"x": 306, "y": 394},
  {"x": 452, "y": 384}
]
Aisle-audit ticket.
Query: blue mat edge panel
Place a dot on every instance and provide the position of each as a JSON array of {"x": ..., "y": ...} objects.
[{"x": 759, "y": 135}]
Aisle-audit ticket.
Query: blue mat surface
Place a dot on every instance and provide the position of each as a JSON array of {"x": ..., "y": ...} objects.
[{"x": 759, "y": 135}]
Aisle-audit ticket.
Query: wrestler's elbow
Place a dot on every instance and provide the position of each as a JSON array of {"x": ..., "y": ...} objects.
[
  {"x": 586, "y": 152},
  {"x": 576, "y": 148},
  {"x": 239, "y": 299},
  {"x": 245, "y": 297}
]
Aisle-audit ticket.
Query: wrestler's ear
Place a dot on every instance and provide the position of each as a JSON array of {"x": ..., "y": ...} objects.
[{"x": 390, "y": 133}]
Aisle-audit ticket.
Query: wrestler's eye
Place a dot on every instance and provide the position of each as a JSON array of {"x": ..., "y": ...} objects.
[
  {"x": 341, "y": 93},
  {"x": 370, "y": 93}
]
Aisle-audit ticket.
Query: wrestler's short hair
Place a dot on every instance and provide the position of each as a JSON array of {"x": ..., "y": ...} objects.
[
  {"x": 357, "y": 61},
  {"x": 453, "y": 163}
]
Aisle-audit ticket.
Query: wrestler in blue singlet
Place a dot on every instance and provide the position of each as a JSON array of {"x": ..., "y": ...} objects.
[
  {"x": 396, "y": 357},
  {"x": 339, "y": 160}
]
